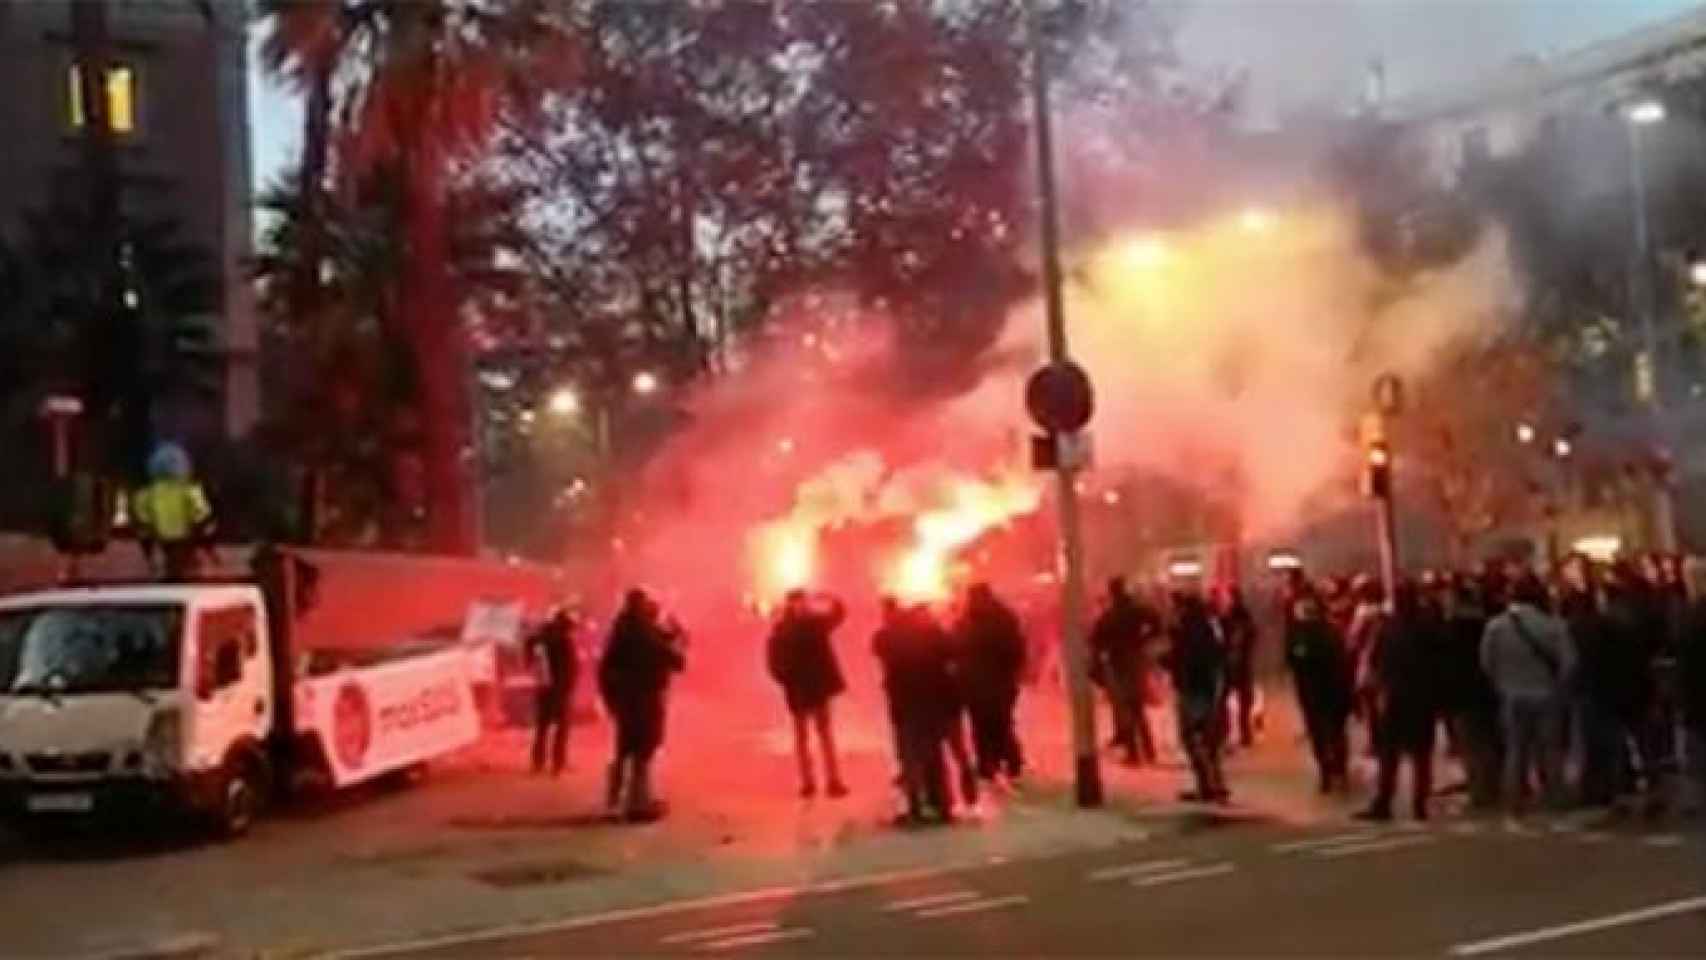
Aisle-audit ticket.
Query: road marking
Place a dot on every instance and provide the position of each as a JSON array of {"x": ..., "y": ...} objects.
[
  {"x": 1178, "y": 876},
  {"x": 1375, "y": 846},
  {"x": 1545, "y": 934},
  {"x": 1465, "y": 829},
  {"x": 975, "y": 906},
  {"x": 759, "y": 939},
  {"x": 510, "y": 931},
  {"x": 1133, "y": 869},
  {"x": 1663, "y": 840},
  {"x": 1299, "y": 846},
  {"x": 718, "y": 933},
  {"x": 934, "y": 900},
  {"x": 1593, "y": 836}
]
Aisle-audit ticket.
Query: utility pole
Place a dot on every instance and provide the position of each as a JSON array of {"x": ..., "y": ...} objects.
[{"x": 1088, "y": 774}]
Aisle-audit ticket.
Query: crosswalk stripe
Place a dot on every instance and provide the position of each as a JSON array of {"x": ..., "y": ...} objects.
[
  {"x": 933, "y": 900},
  {"x": 1375, "y": 846},
  {"x": 717, "y": 933},
  {"x": 974, "y": 906},
  {"x": 1299, "y": 846},
  {"x": 1178, "y": 876},
  {"x": 1133, "y": 869},
  {"x": 1663, "y": 840},
  {"x": 759, "y": 939}
]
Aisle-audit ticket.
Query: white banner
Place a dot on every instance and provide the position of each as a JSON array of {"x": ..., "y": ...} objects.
[{"x": 375, "y": 720}]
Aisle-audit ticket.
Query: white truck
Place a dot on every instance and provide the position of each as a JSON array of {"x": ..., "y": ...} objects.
[{"x": 192, "y": 697}]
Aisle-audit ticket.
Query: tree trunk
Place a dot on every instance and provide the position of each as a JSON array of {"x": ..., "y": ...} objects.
[{"x": 428, "y": 308}]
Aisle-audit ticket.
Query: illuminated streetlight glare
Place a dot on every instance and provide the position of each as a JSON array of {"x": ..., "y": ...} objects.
[
  {"x": 1144, "y": 253},
  {"x": 1646, "y": 112},
  {"x": 645, "y": 383},
  {"x": 1562, "y": 448},
  {"x": 1697, "y": 273},
  {"x": 1256, "y": 220},
  {"x": 1524, "y": 433},
  {"x": 564, "y": 402}
]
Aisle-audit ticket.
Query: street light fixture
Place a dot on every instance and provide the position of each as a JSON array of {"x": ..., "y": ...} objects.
[
  {"x": 1525, "y": 433},
  {"x": 1256, "y": 220},
  {"x": 564, "y": 402},
  {"x": 1645, "y": 112},
  {"x": 1697, "y": 273},
  {"x": 1562, "y": 448},
  {"x": 645, "y": 383}
]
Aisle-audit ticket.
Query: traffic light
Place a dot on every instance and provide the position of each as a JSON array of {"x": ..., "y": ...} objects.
[{"x": 1379, "y": 471}]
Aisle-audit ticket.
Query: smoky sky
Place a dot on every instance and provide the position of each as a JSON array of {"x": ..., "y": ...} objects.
[{"x": 1315, "y": 53}]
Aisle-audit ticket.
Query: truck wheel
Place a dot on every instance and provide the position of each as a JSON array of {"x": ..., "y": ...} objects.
[{"x": 240, "y": 799}]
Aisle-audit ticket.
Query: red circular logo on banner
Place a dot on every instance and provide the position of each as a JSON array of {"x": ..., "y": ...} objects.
[{"x": 352, "y": 726}]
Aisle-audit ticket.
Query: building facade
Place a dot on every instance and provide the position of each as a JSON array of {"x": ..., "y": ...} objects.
[{"x": 176, "y": 99}]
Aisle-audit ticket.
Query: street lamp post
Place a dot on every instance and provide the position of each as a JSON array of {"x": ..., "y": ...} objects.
[
  {"x": 1088, "y": 774},
  {"x": 1637, "y": 117}
]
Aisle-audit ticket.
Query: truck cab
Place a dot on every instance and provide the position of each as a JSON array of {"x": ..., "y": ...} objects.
[{"x": 116, "y": 696}]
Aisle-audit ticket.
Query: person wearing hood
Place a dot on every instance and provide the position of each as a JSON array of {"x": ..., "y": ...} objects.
[
  {"x": 1404, "y": 662},
  {"x": 801, "y": 659},
  {"x": 1321, "y": 672},
  {"x": 643, "y": 653},
  {"x": 919, "y": 684}
]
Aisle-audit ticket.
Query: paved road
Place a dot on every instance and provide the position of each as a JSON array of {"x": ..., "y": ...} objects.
[{"x": 1464, "y": 887}]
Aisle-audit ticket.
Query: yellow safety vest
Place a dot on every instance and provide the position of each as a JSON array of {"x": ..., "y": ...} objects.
[{"x": 170, "y": 510}]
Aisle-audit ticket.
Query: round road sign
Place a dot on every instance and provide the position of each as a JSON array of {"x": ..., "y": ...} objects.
[{"x": 1059, "y": 397}]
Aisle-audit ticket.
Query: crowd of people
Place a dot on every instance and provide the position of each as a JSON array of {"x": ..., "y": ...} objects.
[{"x": 1585, "y": 687}]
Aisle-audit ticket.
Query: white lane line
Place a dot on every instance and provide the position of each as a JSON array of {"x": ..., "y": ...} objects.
[
  {"x": 934, "y": 900},
  {"x": 1178, "y": 876},
  {"x": 1663, "y": 840},
  {"x": 1299, "y": 846},
  {"x": 717, "y": 933},
  {"x": 1133, "y": 869},
  {"x": 1374, "y": 846},
  {"x": 975, "y": 906},
  {"x": 1593, "y": 836},
  {"x": 759, "y": 939},
  {"x": 1468, "y": 829},
  {"x": 1546, "y": 934}
]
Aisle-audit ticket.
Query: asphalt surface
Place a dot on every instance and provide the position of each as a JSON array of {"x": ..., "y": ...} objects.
[{"x": 1459, "y": 887}]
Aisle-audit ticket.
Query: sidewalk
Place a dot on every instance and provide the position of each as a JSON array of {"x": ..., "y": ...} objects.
[{"x": 485, "y": 844}]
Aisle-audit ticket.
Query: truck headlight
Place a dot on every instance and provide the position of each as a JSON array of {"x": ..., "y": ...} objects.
[{"x": 163, "y": 744}]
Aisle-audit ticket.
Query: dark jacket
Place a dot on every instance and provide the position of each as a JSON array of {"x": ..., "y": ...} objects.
[
  {"x": 1238, "y": 628},
  {"x": 1463, "y": 686},
  {"x": 1405, "y": 663},
  {"x": 639, "y": 660},
  {"x": 1622, "y": 662},
  {"x": 555, "y": 642},
  {"x": 1691, "y": 668},
  {"x": 1119, "y": 637},
  {"x": 802, "y": 659},
  {"x": 992, "y": 650},
  {"x": 1197, "y": 660},
  {"x": 1319, "y": 665},
  {"x": 915, "y": 654}
]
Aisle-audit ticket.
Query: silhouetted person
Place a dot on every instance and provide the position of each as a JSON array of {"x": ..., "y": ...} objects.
[
  {"x": 802, "y": 659},
  {"x": 1197, "y": 661},
  {"x": 553, "y": 644},
  {"x": 1404, "y": 662},
  {"x": 992, "y": 651},
  {"x": 918, "y": 684},
  {"x": 643, "y": 653},
  {"x": 1467, "y": 697},
  {"x": 1119, "y": 663},
  {"x": 1238, "y": 630},
  {"x": 1321, "y": 672}
]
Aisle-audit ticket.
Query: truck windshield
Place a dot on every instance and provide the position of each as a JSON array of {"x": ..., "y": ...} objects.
[{"x": 87, "y": 649}]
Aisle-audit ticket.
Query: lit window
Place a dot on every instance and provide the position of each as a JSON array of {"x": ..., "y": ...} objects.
[{"x": 121, "y": 97}]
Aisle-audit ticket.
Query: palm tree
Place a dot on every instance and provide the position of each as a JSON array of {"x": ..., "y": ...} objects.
[{"x": 416, "y": 89}]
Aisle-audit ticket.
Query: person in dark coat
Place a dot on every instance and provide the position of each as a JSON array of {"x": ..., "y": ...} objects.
[
  {"x": 801, "y": 658},
  {"x": 1321, "y": 672},
  {"x": 1467, "y": 698},
  {"x": 1403, "y": 666},
  {"x": 553, "y": 646},
  {"x": 1119, "y": 663},
  {"x": 1631, "y": 646},
  {"x": 643, "y": 653},
  {"x": 1197, "y": 662},
  {"x": 1238, "y": 628},
  {"x": 919, "y": 684},
  {"x": 992, "y": 658}
]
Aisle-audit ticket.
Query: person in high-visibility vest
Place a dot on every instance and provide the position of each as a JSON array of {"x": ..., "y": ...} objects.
[{"x": 171, "y": 514}]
